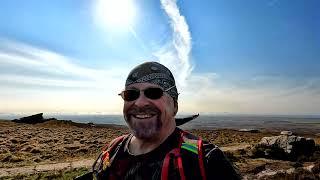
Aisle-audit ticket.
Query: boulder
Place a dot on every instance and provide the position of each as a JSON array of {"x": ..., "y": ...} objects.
[
  {"x": 33, "y": 119},
  {"x": 91, "y": 124},
  {"x": 291, "y": 146},
  {"x": 181, "y": 121},
  {"x": 249, "y": 130},
  {"x": 289, "y": 133}
]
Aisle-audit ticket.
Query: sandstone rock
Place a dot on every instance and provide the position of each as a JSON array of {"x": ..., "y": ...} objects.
[
  {"x": 91, "y": 124},
  {"x": 292, "y": 146},
  {"x": 181, "y": 121},
  {"x": 249, "y": 130},
  {"x": 289, "y": 133},
  {"x": 33, "y": 119}
]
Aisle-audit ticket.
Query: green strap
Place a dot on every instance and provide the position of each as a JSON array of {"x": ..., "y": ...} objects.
[{"x": 190, "y": 147}]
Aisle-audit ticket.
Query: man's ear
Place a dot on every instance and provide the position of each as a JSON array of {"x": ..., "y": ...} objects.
[{"x": 175, "y": 107}]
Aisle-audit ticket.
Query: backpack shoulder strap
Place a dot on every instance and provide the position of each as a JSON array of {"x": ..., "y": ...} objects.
[
  {"x": 201, "y": 159},
  {"x": 176, "y": 156},
  {"x": 191, "y": 144},
  {"x": 109, "y": 147},
  {"x": 194, "y": 144},
  {"x": 107, "y": 155}
]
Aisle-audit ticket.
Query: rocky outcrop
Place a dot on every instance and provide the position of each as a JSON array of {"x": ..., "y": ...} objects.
[
  {"x": 288, "y": 133},
  {"x": 181, "y": 121},
  {"x": 249, "y": 130},
  {"x": 286, "y": 146},
  {"x": 33, "y": 119}
]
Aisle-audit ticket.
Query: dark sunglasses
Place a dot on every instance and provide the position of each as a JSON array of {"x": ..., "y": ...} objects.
[{"x": 151, "y": 93}]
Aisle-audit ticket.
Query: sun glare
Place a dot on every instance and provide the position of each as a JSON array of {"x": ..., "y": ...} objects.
[{"x": 115, "y": 13}]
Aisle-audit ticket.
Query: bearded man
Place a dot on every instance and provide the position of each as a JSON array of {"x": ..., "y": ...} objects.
[{"x": 157, "y": 148}]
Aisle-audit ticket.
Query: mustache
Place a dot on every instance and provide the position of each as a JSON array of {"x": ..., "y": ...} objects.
[{"x": 148, "y": 109}]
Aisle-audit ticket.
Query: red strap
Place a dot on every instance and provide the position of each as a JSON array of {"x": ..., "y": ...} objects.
[
  {"x": 177, "y": 157},
  {"x": 201, "y": 162},
  {"x": 113, "y": 143},
  {"x": 175, "y": 153},
  {"x": 182, "y": 176},
  {"x": 165, "y": 167}
]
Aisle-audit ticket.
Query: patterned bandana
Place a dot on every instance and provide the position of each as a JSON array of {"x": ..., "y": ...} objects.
[{"x": 154, "y": 73}]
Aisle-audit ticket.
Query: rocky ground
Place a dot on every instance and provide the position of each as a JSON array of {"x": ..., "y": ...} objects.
[
  {"x": 24, "y": 146},
  {"x": 52, "y": 141}
]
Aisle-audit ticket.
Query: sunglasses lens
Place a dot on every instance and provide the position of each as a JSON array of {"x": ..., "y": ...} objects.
[
  {"x": 131, "y": 95},
  {"x": 153, "y": 93}
]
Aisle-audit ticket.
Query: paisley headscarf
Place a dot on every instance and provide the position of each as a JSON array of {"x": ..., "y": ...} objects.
[{"x": 154, "y": 73}]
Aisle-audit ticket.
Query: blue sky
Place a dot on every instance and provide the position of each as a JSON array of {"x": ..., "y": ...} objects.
[{"x": 252, "y": 56}]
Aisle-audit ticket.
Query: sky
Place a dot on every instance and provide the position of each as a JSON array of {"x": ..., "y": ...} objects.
[{"x": 235, "y": 56}]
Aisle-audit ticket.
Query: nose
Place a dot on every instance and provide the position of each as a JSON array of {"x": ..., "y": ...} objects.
[{"x": 141, "y": 101}]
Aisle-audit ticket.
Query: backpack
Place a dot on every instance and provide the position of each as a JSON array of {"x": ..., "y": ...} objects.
[{"x": 190, "y": 147}]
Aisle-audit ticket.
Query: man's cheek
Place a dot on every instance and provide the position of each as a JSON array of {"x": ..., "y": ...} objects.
[{"x": 125, "y": 108}]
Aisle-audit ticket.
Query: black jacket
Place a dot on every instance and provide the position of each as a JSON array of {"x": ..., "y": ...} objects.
[{"x": 148, "y": 166}]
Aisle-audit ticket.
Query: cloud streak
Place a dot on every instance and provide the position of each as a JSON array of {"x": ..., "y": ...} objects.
[
  {"x": 56, "y": 84},
  {"x": 59, "y": 70},
  {"x": 204, "y": 92},
  {"x": 35, "y": 79},
  {"x": 176, "y": 54}
]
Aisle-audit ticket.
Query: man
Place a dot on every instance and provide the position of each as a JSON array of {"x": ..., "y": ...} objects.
[{"x": 156, "y": 148}]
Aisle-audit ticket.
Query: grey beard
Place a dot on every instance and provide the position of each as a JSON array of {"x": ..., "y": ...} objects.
[{"x": 145, "y": 130}]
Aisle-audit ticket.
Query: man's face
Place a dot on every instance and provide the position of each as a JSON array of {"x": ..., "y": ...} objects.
[{"x": 147, "y": 117}]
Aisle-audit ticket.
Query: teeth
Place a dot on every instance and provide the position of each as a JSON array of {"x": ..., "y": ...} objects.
[{"x": 142, "y": 116}]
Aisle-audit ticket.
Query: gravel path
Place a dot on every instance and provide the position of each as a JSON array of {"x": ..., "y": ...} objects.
[{"x": 45, "y": 167}]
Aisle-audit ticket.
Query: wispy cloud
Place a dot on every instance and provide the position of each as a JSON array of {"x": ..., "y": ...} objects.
[
  {"x": 176, "y": 53},
  {"x": 48, "y": 79},
  {"x": 36, "y": 79},
  {"x": 58, "y": 69},
  {"x": 204, "y": 92}
]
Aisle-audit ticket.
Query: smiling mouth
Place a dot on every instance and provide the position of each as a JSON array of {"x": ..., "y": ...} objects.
[{"x": 143, "y": 116}]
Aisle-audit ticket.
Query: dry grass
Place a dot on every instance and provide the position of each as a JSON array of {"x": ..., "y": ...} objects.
[
  {"x": 52, "y": 141},
  {"x": 61, "y": 174},
  {"x": 61, "y": 141}
]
